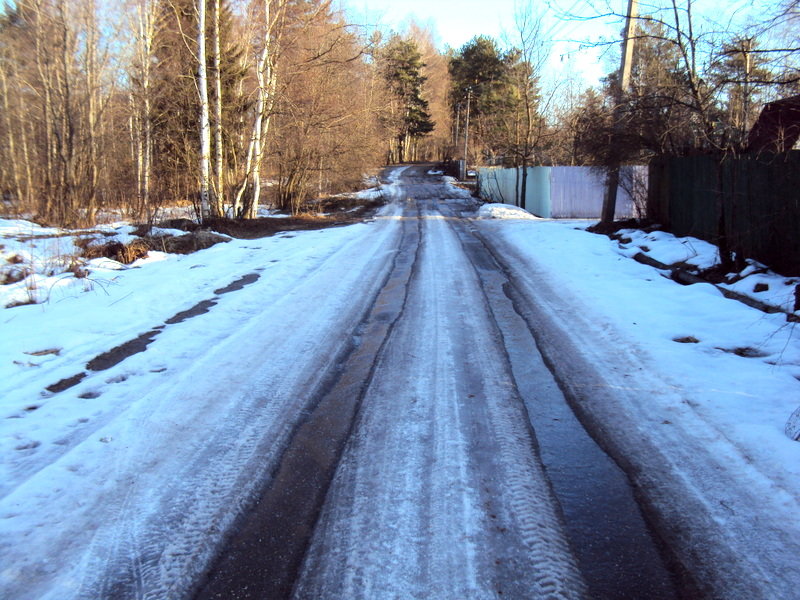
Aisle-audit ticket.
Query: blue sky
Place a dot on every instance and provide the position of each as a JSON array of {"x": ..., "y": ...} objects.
[{"x": 455, "y": 22}]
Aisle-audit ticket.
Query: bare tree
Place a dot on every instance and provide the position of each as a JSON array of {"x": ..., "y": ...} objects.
[
  {"x": 205, "y": 125},
  {"x": 524, "y": 127},
  {"x": 141, "y": 118},
  {"x": 219, "y": 174},
  {"x": 266, "y": 76}
]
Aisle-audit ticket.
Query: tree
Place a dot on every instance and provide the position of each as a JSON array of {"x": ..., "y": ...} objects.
[
  {"x": 266, "y": 45},
  {"x": 141, "y": 100},
  {"x": 482, "y": 71},
  {"x": 741, "y": 75},
  {"x": 522, "y": 127},
  {"x": 437, "y": 145},
  {"x": 179, "y": 138},
  {"x": 205, "y": 125},
  {"x": 408, "y": 117},
  {"x": 326, "y": 125}
]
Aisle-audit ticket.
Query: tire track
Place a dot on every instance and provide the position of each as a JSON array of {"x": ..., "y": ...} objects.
[{"x": 439, "y": 493}]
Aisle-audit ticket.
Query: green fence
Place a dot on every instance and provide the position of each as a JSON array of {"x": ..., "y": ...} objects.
[{"x": 753, "y": 203}]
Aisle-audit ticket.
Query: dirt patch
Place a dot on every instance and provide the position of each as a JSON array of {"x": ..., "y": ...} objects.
[
  {"x": 339, "y": 213},
  {"x": 745, "y": 352},
  {"x": 185, "y": 244},
  {"x": 139, "y": 247},
  {"x": 123, "y": 253},
  {"x": 611, "y": 229},
  {"x": 66, "y": 383}
]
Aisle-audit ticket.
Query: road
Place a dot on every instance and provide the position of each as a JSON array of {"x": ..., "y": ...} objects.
[
  {"x": 421, "y": 473},
  {"x": 358, "y": 413}
]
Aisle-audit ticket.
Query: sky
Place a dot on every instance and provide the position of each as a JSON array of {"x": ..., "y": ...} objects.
[
  {"x": 575, "y": 37},
  {"x": 456, "y": 22}
]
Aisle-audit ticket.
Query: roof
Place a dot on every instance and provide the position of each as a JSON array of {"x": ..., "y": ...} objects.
[{"x": 777, "y": 128}]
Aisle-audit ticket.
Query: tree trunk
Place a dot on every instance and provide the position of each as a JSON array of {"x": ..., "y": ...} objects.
[
  {"x": 219, "y": 175},
  {"x": 265, "y": 101},
  {"x": 205, "y": 127},
  {"x": 12, "y": 151},
  {"x": 92, "y": 110}
]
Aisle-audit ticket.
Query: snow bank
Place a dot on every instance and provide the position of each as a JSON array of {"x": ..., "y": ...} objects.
[
  {"x": 755, "y": 281},
  {"x": 696, "y": 390},
  {"x": 503, "y": 211}
]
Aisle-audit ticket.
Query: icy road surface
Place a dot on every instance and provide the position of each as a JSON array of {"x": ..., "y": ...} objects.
[
  {"x": 351, "y": 418},
  {"x": 440, "y": 493}
]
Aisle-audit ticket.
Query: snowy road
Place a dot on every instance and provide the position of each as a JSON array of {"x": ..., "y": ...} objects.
[
  {"x": 440, "y": 492},
  {"x": 353, "y": 420}
]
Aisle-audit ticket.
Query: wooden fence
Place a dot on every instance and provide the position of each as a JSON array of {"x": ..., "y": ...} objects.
[{"x": 752, "y": 204}]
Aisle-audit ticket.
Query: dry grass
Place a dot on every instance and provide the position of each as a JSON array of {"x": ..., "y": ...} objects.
[{"x": 123, "y": 253}]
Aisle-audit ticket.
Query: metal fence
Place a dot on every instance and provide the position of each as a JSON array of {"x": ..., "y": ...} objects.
[
  {"x": 564, "y": 192},
  {"x": 750, "y": 203}
]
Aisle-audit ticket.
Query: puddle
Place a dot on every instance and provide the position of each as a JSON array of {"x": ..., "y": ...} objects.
[
  {"x": 239, "y": 283},
  {"x": 198, "y": 309},
  {"x": 116, "y": 355},
  {"x": 65, "y": 384}
]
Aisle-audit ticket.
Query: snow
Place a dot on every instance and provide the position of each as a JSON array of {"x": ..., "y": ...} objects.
[
  {"x": 101, "y": 464},
  {"x": 653, "y": 312},
  {"x": 86, "y": 469},
  {"x": 695, "y": 389},
  {"x": 503, "y": 211},
  {"x": 667, "y": 249}
]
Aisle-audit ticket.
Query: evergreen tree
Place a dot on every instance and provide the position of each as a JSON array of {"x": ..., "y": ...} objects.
[
  {"x": 481, "y": 71},
  {"x": 402, "y": 65},
  {"x": 740, "y": 72}
]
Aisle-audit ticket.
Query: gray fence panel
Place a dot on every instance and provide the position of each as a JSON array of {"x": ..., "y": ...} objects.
[
  {"x": 577, "y": 193},
  {"x": 564, "y": 192},
  {"x": 538, "y": 188}
]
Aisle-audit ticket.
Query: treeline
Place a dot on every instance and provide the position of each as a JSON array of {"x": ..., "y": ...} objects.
[
  {"x": 695, "y": 87},
  {"x": 135, "y": 105},
  {"x": 139, "y": 104}
]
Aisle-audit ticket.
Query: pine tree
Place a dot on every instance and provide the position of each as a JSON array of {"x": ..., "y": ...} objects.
[
  {"x": 401, "y": 66},
  {"x": 481, "y": 70}
]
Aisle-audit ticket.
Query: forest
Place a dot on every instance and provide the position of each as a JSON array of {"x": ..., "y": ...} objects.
[{"x": 228, "y": 104}]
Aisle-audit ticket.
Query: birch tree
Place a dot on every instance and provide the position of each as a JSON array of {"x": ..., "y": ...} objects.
[
  {"x": 219, "y": 173},
  {"x": 205, "y": 125},
  {"x": 249, "y": 190},
  {"x": 141, "y": 101}
]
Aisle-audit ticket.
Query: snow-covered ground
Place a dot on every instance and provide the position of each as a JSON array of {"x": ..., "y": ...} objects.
[
  {"x": 691, "y": 390},
  {"x": 149, "y": 457},
  {"x": 503, "y": 211},
  {"x": 108, "y": 465}
]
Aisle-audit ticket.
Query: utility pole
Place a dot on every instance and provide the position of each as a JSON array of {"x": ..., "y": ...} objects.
[
  {"x": 466, "y": 135},
  {"x": 612, "y": 176},
  {"x": 458, "y": 124}
]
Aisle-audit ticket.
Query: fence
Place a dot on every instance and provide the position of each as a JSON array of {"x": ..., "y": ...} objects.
[
  {"x": 564, "y": 192},
  {"x": 750, "y": 203}
]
